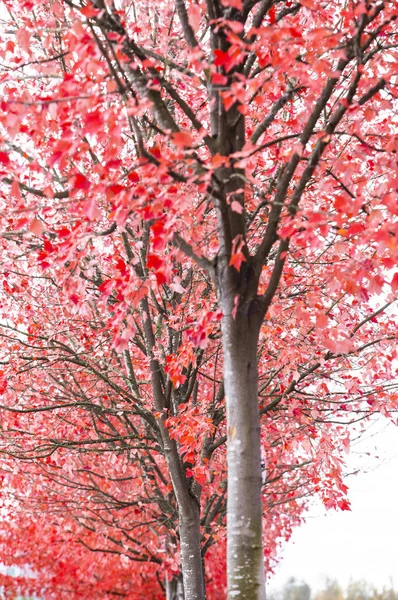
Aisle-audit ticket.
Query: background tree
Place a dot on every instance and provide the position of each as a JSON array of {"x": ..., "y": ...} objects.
[
  {"x": 333, "y": 590},
  {"x": 293, "y": 590}
]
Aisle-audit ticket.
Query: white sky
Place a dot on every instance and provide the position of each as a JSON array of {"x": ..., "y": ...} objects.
[{"x": 363, "y": 543}]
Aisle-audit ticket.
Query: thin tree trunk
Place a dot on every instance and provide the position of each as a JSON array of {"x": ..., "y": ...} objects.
[
  {"x": 188, "y": 502},
  {"x": 189, "y": 527},
  {"x": 189, "y": 524},
  {"x": 246, "y": 578},
  {"x": 191, "y": 557},
  {"x": 175, "y": 588}
]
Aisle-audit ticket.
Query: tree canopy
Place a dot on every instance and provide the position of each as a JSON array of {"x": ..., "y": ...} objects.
[{"x": 198, "y": 224}]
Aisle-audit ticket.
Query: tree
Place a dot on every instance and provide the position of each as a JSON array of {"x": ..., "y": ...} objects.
[
  {"x": 360, "y": 590},
  {"x": 94, "y": 461},
  {"x": 240, "y": 153},
  {"x": 293, "y": 590},
  {"x": 332, "y": 591}
]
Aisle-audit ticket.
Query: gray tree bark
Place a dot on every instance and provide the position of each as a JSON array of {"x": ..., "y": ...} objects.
[
  {"x": 243, "y": 313},
  {"x": 188, "y": 502},
  {"x": 175, "y": 588},
  {"x": 246, "y": 579},
  {"x": 191, "y": 556}
]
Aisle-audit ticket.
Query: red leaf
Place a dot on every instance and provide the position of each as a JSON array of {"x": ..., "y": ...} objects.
[
  {"x": 394, "y": 282},
  {"x": 237, "y": 256},
  {"x": 63, "y": 232},
  {"x": 36, "y": 227},
  {"x": 4, "y": 158},
  {"x": 182, "y": 139},
  {"x": 272, "y": 14},
  {"x": 120, "y": 344},
  {"x": 219, "y": 79},
  {"x": 106, "y": 287},
  {"x": 88, "y": 11},
  {"x": 178, "y": 379},
  {"x": 221, "y": 58},
  {"x": 121, "y": 265},
  {"x": 48, "y": 247},
  {"x": 236, "y": 261},
  {"x": 80, "y": 182},
  {"x": 23, "y": 38},
  {"x": 3, "y": 385},
  {"x": 161, "y": 278},
  {"x": 344, "y": 505},
  {"x": 153, "y": 262},
  {"x": 93, "y": 122},
  {"x": 233, "y": 3},
  {"x": 133, "y": 177}
]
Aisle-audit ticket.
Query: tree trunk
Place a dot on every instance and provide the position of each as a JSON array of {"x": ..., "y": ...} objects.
[
  {"x": 188, "y": 502},
  {"x": 175, "y": 588},
  {"x": 190, "y": 585},
  {"x": 191, "y": 556},
  {"x": 189, "y": 525},
  {"x": 245, "y": 559}
]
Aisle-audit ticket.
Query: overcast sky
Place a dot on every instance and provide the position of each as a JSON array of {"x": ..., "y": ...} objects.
[{"x": 359, "y": 544}]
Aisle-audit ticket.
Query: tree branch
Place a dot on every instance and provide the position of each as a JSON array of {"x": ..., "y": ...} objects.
[{"x": 202, "y": 261}]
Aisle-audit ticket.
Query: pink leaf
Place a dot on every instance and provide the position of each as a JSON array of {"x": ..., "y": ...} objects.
[
  {"x": 182, "y": 139},
  {"x": 236, "y": 207},
  {"x": 233, "y": 3},
  {"x": 36, "y": 227}
]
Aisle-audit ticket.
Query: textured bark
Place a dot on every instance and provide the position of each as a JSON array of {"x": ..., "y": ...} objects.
[
  {"x": 189, "y": 524},
  {"x": 175, "y": 588},
  {"x": 188, "y": 501},
  {"x": 242, "y": 316},
  {"x": 191, "y": 557},
  {"x": 246, "y": 578}
]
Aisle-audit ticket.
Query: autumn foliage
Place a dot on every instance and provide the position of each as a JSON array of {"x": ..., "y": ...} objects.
[{"x": 174, "y": 176}]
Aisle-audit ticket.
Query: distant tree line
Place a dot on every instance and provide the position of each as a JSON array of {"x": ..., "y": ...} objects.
[{"x": 295, "y": 589}]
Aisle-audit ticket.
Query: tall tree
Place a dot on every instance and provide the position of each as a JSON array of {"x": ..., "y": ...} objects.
[{"x": 251, "y": 144}]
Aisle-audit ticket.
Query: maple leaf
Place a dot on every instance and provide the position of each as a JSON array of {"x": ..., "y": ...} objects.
[
  {"x": 89, "y": 11},
  {"x": 237, "y": 256},
  {"x": 178, "y": 379},
  {"x": 153, "y": 262},
  {"x": 80, "y": 182},
  {"x": 23, "y": 37},
  {"x": 63, "y": 232},
  {"x": 394, "y": 282},
  {"x": 36, "y": 227},
  {"x": 219, "y": 79},
  {"x": 236, "y": 207},
  {"x": 74, "y": 298},
  {"x": 233, "y": 3},
  {"x": 3, "y": 384},
  {"x": 161, "y": 277},
  {"x": 182, "y": 139},
  {"x": 222, "y": 59},
  {"x": 4, "y": 158},
  {"x": 344, "y": 505},
  {"x": 120, "y": 348}
]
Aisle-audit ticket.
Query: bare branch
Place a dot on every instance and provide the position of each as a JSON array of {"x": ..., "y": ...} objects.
[
  {"x": 203, "y": 262},
  {"x": 186, "y": 26}
]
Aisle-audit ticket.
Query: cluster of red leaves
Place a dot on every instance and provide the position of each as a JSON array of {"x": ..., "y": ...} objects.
[{"x": 89, "y": 252}]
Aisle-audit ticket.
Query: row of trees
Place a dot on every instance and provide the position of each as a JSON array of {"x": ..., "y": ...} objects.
[
  {"x": 332, "y": 590},
  {"x": 198, "y": 212}
]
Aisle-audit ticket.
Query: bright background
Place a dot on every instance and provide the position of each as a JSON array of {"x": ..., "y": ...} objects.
[{"x": 363, "y": 543}]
